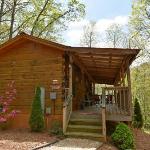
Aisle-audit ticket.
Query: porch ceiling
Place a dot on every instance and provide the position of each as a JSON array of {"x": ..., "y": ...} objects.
[{"x": 105, "y": 65}]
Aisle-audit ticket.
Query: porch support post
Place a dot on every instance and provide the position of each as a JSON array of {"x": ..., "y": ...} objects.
[
  {"x": 129, "y": 86},
  {"x": 123, "y": 81},
  {"x": 70, "y": 82},
  {"x": 67, "y": 108},
  {"x": 93, "y": 88},
  {"x": 103, "y": 97}
]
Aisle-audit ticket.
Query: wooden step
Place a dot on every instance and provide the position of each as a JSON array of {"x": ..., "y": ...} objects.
[
  {"x": 85, "y": 116},
  {"x": 84, "y": 128},
  {"x": 93, "y": 136},
  {"x": 85, "y": 121}
]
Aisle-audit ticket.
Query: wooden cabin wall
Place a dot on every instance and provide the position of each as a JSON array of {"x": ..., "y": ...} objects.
[{"x": 31, "y": 65}]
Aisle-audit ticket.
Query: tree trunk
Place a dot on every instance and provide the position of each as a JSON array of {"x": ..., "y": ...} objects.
[
  {"x": 12, "y": 19},
  {"x": 1, "y": 10},
  {"x": 37, "y": 19}
]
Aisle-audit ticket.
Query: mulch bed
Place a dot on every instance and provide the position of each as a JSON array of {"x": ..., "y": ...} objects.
[
  {"x": 142, "y": 140},
  {"x": 23, "y": 139},
  {"x": 107, "y": 146}
]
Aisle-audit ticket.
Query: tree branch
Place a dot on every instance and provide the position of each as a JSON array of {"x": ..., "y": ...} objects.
[
  {"x": 36, "y": 20},
  {"x": 54, "y": 20}
]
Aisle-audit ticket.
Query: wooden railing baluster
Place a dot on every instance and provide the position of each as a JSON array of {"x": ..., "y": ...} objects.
[{"x": 120, "y": 100}]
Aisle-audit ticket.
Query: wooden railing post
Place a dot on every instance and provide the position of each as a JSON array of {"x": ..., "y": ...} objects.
[
  {"x": 104, "y": 122},
  {"x": 103, "y": 114},
  {"x": 103, "y": 98},
  {"x": 129, "y": 88},
  {"x": 64, "y": 119}
]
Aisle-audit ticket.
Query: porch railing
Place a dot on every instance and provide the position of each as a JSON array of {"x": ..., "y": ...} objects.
[
  {"x": 117, "y": 100},
  {"x": 67, "y": 109}
]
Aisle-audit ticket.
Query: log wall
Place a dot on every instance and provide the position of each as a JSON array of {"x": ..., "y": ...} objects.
[{"x": 31, "y": 65}]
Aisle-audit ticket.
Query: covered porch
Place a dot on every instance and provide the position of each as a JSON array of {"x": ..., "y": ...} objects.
[{"x": 108, "y": 67}]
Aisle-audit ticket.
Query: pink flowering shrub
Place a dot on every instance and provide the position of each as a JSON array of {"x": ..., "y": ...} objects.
[{"x": 5, "y": 101}]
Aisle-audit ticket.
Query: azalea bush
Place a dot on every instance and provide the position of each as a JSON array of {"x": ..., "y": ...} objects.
[
  {"x": 5, "y": 101},
  {"x": 123, "y": 137}
]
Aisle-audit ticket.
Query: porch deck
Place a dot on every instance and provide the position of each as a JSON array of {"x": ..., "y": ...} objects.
[{"x": 111, "y": 113}]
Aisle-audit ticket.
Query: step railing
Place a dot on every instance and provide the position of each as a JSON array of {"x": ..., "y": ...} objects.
[{"x": 67, "y": 109}]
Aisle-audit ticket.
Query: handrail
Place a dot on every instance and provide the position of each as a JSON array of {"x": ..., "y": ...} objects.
[
  {"x": 68, "y": 100},
  {"x": 116, "y": 87},
  {"x": 67, "y": 110}
]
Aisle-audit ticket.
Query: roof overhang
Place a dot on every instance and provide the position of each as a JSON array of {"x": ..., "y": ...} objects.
[{"x": 105, "y": 65}]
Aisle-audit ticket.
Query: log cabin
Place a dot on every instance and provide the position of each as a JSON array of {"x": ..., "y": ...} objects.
[{"x": 67, "y": 77}]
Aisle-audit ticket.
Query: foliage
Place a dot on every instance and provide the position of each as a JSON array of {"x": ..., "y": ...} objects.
[
  {"x": 90, "y": 35},
  {"x": 5, "y": 101},
  {"x": 139, "y": 23},
  {"x": 138, "y": 119},
  {"x": 56, "y": 128},
  {"x": 41, "y": 18},
  {"x": 123, "y": 137},
  {"x": 37, "y": 118},
  {"x": 140, "y": 77}
]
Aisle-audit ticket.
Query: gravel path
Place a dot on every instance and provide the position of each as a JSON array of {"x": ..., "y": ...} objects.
[{"x": 74, "y": 144}]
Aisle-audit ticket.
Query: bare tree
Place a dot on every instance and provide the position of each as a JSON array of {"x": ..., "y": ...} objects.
[
  {"x": 115, "y": 37},
  {"x": 14, "y": 5},
  {"x": 90, "y": 35},
  {"x": 38, "y": 16}
]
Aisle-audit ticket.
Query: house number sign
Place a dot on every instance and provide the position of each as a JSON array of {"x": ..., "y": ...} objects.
[{"x": 55, "y": 85}]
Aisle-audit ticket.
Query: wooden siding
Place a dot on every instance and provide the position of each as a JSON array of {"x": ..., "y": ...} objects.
[{"x": 30, "y": 65}]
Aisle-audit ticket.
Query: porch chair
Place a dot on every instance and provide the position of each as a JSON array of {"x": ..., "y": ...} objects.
[{"x": 88, "y": 101}]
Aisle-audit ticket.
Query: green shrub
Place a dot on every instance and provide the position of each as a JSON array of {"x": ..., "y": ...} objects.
[
  {"x": 4, "y": 125},
  {"x": 56, "y": 128},
  {"x": 137, "y": 118},
  {"x": 37, "y": 118},
  {"x": 123, "y": 137}
]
